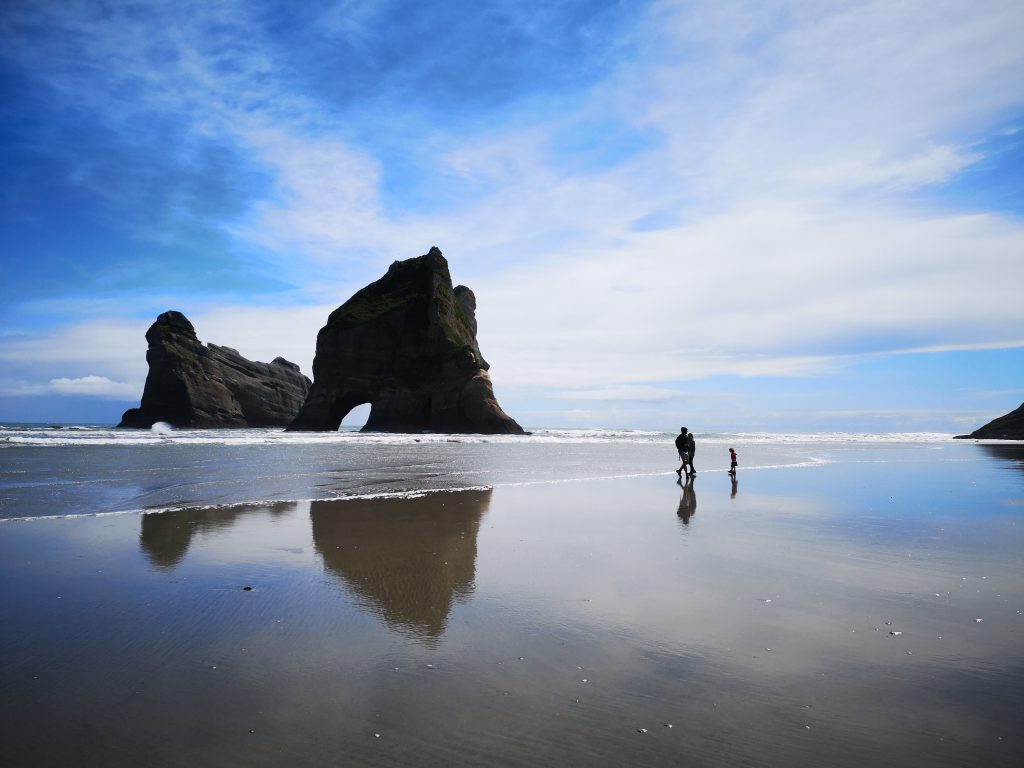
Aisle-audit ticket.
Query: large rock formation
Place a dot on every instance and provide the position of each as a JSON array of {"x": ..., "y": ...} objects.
[
  {"x": 407, "y": 345},
  {"x": 1008, "y": 427},
  {"x": 195, "y": 385}
]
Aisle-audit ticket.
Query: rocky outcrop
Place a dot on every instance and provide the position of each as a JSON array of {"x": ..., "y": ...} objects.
[
  {"x": 406, "y": 345},
  {"x": 1008, "y": 427},
  {"x": 192, "y": 385}
]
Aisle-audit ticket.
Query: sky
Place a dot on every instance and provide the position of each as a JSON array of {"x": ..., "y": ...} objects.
[{"x": 745, "y": 216}]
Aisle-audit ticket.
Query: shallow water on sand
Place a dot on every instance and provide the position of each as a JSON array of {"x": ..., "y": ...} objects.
[
  {"x": 58, "y": 472},
  {"x": 864, "y": 609}
]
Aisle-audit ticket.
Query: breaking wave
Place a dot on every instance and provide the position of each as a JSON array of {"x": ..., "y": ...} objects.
[{"x": 162, "y": 434}]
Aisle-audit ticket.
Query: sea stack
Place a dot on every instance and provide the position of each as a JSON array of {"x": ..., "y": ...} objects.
[
  {"x": 406, "y": 344},
  {"x": 1008, "y": 427},
  {"x": 196, "y": 385}
]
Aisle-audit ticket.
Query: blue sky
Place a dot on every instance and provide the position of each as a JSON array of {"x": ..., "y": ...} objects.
[{"x": 736, "y": 215}]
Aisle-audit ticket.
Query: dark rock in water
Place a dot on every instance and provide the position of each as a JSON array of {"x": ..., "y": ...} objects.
[
  {"x": 193, "y": 385},
  {"x": 1008, "y": 427},
  {"x": 407, "y": 345}
]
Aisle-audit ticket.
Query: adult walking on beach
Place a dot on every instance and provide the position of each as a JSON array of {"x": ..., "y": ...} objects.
[{"x": 682, "y": 447}]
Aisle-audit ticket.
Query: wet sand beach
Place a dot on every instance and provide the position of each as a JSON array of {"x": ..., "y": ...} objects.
[{"x": 861, "y": 612}]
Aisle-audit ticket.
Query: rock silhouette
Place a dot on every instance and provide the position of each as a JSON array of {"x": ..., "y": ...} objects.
[
  {"x": 406, "y": 344},
  {"x": 1007, "y": 427},
  {"x": 192, "y": 385}
]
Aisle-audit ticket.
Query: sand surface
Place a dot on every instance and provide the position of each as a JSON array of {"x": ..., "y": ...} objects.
[{"x": 855, "y": 613}]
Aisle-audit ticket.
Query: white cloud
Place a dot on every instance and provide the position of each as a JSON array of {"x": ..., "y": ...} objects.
[
  {"x": 107, "y": 358},
  {"x": 263, "y": 333},
  {"x": 868, "y": 91},
  {"x": 628, "y": 392},
  {"x": 777, "y": 291},
  {"x": 94, "y": 386},
  {"x": 327, "y": 195},
  {"x": 116, "y": 348}
]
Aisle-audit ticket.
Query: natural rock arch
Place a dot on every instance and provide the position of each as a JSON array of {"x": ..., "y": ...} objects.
[{"x": 406, "y": 344}]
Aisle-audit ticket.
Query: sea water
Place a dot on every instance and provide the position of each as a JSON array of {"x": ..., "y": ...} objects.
[{"x": 50, "y": 471}]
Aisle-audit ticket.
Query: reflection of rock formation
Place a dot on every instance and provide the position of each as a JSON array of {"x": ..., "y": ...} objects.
[
  {"x": 1007, "y": 452},
  {"x": 407, "y": 560},
  {"x": 165, "y": 536}
]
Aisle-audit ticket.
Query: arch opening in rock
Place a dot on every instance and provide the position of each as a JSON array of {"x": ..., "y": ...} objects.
[
  {"x": 357, "y": 416},
  {"x": 342, "y": 406}
]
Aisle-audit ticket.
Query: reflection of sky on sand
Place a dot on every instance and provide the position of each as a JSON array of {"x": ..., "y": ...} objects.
[
  {"x": 760, "y": 607},
  {"x": 461, "y": 626},
  {"x": 711, "y": 592}
]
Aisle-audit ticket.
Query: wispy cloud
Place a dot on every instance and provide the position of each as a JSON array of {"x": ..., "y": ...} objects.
[
  {"x": 628, "y": 393},
  {"x": 94, "y": 386}
]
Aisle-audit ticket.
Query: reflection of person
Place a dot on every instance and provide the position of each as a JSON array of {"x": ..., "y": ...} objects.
[
  {"x": 688, "y": 501},
  {"x": 683, "y": 448},
  {"x": 732, "y": 461},
  {"x": 735, "y": 487}
]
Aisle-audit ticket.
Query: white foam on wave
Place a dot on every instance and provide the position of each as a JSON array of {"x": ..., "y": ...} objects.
[
  {"x": 163, "y": 434},
  {"x": 797, "y": 438},
  {"x": 661, "y": 473},
  {"x": 410, "y": 494}
]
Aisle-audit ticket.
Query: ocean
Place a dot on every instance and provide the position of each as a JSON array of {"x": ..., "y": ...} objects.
[{"x": 48, "y": 471}]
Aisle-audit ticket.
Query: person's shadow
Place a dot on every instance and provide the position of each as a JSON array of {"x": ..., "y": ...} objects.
[{"x": 688, "y": 501}]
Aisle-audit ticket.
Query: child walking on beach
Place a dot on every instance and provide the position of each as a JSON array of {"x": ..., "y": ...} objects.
[{"x": 732, "y": 461}]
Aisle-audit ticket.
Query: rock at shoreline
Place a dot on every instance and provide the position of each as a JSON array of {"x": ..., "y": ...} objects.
[
  {"x": 192, "y": 385},
  {"x": 407, "y": 345},
  {"x": 1008, "y": 427}
]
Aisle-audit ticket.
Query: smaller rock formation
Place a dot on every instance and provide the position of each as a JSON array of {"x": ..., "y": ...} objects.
[
  {"x": 406, "y": 344},
  {"x": 192, "y": 385},
  {"x": 1008, "y": 427}
]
